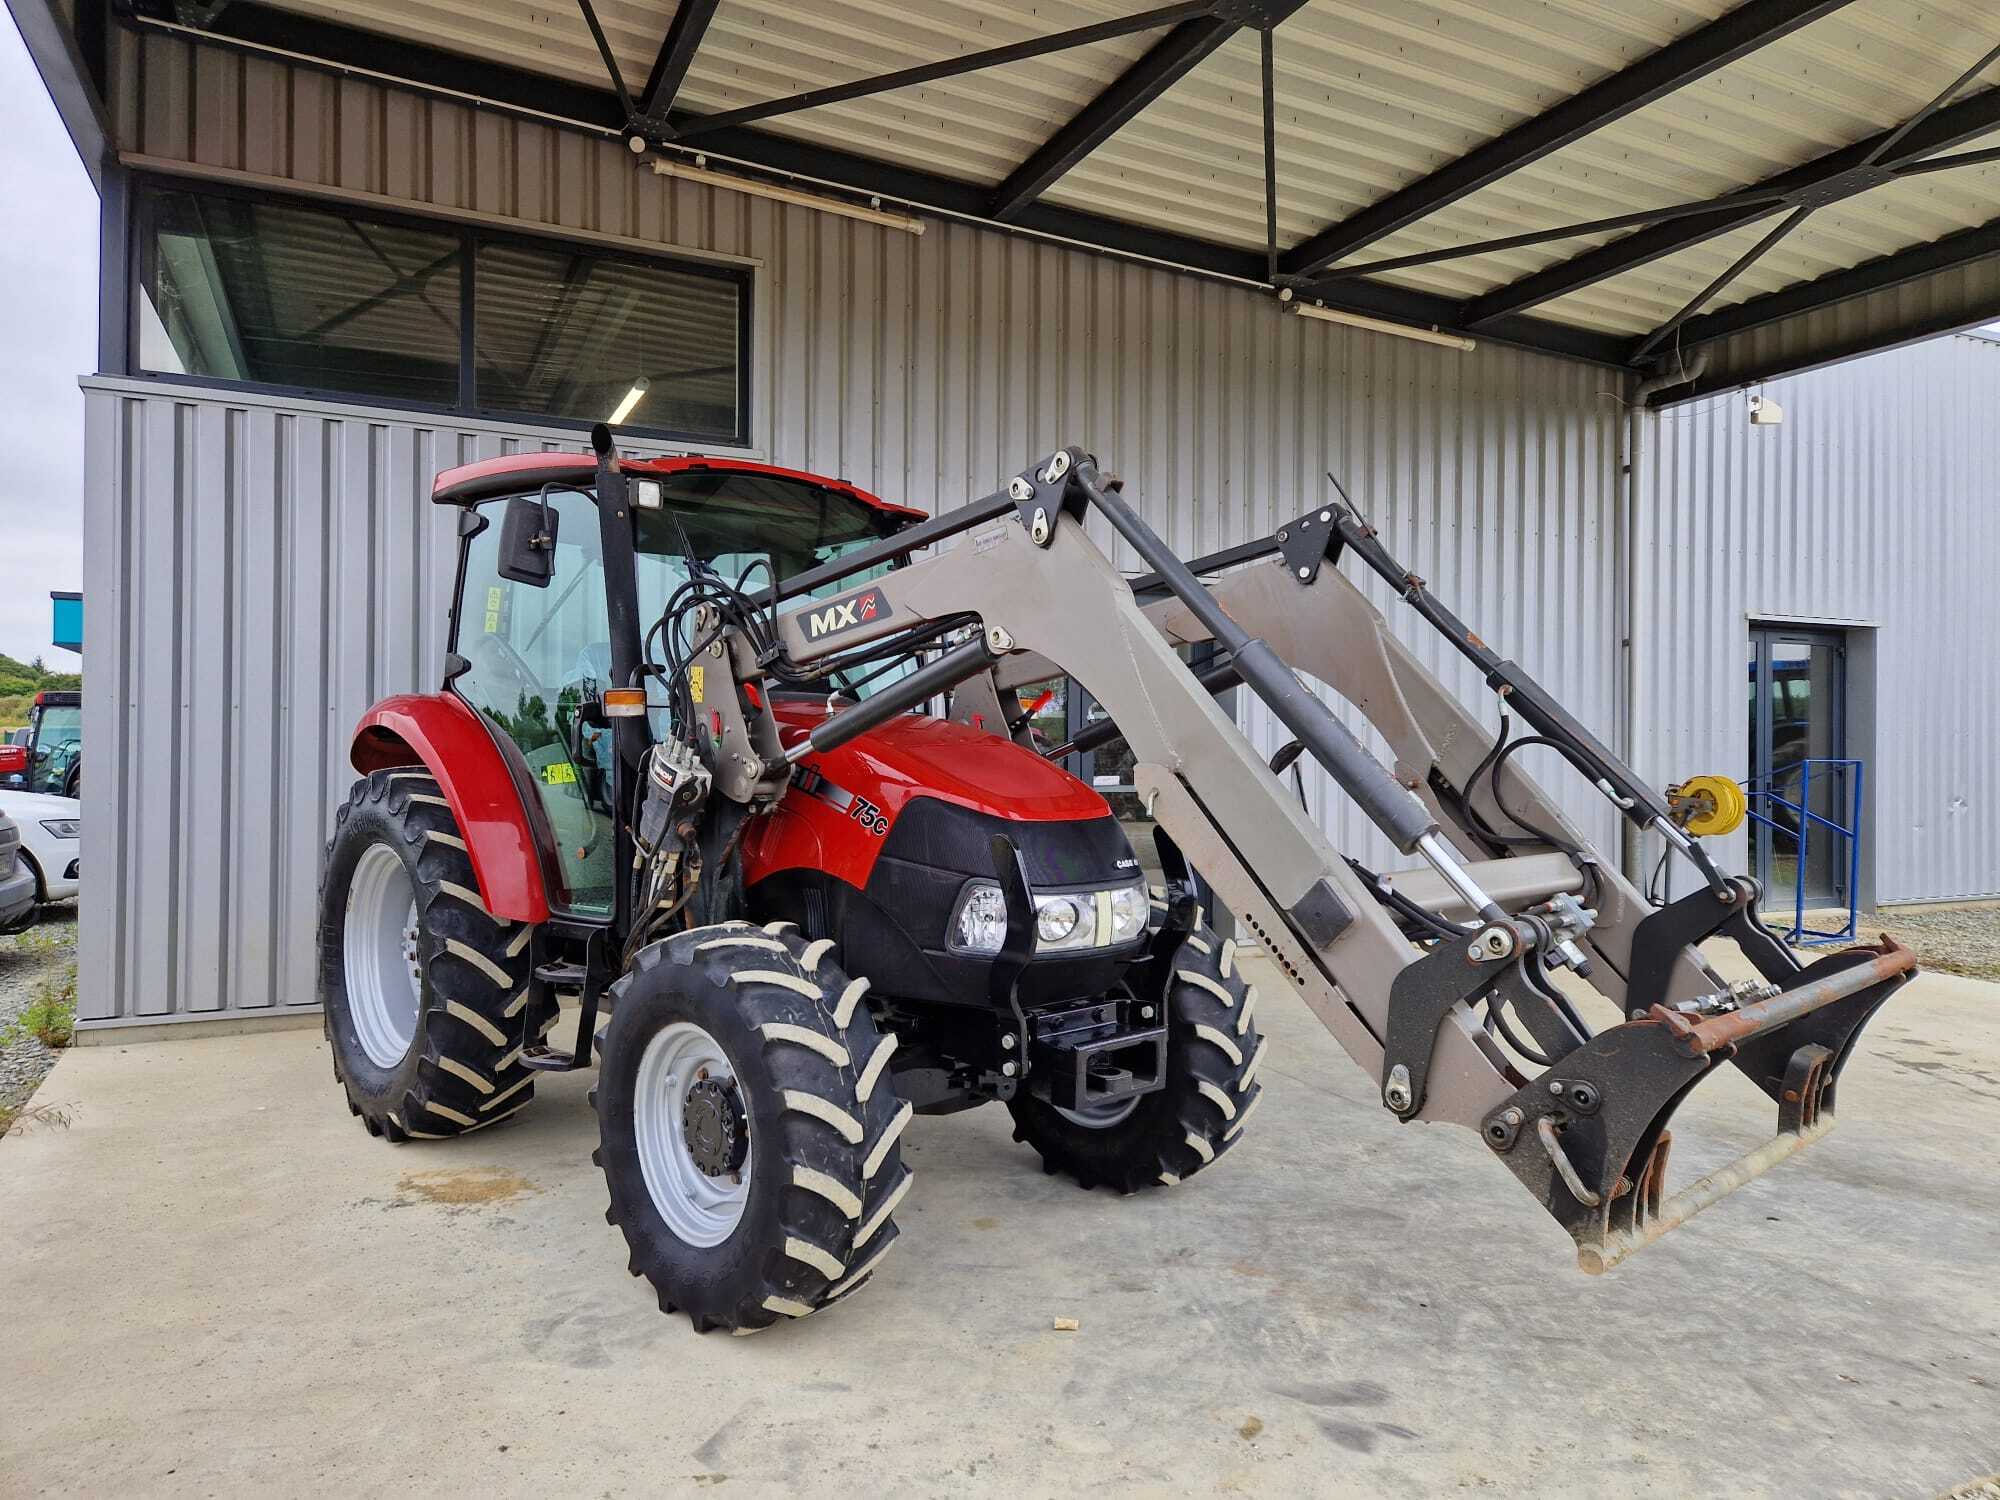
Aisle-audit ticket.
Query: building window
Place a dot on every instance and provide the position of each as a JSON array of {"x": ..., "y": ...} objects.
[
  {"x": 243, "y": 289},
  {"x": 239, "y": 290},
  {"x": 566, "y": 331}
]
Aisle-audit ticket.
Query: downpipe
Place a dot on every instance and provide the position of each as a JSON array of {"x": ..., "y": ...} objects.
[{"x": 1632, "y": 839}]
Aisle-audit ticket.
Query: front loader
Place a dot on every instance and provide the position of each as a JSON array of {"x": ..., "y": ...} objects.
[{"x": 718, "y": 756}]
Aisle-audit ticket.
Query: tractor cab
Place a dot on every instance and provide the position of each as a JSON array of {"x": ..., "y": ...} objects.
[
  {"x": 538, "y": 595},
  {"x": 55, "y": 744}
]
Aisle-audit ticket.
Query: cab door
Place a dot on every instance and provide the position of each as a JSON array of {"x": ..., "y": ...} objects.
[{"x": 535, "y": 653}]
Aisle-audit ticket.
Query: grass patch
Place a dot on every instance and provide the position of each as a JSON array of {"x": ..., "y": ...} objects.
[
  {"x": 50, "y": 1018},
  {"x": 28, "y": 1116},
  {"x": 40, "y": 941}
]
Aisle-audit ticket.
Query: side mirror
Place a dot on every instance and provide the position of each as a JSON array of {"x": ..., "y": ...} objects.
[{"x": 528, "y": 541}]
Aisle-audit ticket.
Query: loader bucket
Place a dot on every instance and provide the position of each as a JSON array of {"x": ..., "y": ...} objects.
[{"x": 1590, "y": 1137}]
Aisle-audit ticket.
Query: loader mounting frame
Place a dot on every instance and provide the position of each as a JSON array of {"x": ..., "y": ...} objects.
[{"x": 1587, "y": 1135}]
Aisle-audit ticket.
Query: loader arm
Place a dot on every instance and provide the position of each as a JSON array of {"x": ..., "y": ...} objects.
[
  {"x": 1325, "y": 627},
  {"x": 1586, "y": 1134}
]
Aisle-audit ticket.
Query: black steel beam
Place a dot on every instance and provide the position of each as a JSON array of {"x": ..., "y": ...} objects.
[
  {"x": 347, "y": 51},
  {"x": 1947, "y": 163},
  {"x": 1953, "y": 320},
  {"x": 677, "y": 52},
  {"x": 1951, "y": 126},
  {"x": 951, "y": 67},
  {"x": 1716, "y": 286},
  {"x": 1953, "y": 251},
  {"x": 1536, "y": 237},
  {"x": 610, "y": 58},
  {"x": 1169, "y": 60},
  {"x": 1269, "y": 89},
  {"x": 1674, "y": 66}
]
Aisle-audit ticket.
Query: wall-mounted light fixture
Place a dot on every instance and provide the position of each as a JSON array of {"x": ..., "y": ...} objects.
[
  {"x": 1382, "y": 325},
  {"x": 871, "y": 213}
]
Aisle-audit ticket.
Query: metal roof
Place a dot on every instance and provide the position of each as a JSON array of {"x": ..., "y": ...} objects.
[{"x": 1401, "y": 128}]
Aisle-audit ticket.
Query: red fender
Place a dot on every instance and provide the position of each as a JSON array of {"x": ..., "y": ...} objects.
[{"x": 441, "y": 732}]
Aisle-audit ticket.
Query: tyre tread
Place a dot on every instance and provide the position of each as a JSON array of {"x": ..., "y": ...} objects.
[
  {"x": 471, "y": 1031},
  {"x": 785, "y": 990}
]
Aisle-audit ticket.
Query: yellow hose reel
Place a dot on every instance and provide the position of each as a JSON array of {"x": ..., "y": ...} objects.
[{"x": 1708, "y": 805}]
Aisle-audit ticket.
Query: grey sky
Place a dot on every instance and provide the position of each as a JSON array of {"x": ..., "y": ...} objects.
[{"x": 48, "y": 332}]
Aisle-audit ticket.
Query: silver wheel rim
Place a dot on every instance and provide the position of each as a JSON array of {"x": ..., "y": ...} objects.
[
  {"x": 1101, "y": 1116},
  {"x": 384, "y": 966},
  {"x": 700, "y": 1210}
]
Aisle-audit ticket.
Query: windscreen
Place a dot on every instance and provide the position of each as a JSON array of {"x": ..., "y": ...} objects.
[
  {"x": 756, "y": 530},
  {"x": 735, "y": 521}
]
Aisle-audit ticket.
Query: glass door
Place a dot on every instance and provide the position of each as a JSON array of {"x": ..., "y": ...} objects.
[
  {"x": 534, "y": 654},
  {"x": 1798, "y": 683}
]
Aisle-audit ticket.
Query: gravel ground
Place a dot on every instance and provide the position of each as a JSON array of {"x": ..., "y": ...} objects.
[
  {"x": 1950, "y": 939},
  {"x": 27, "y": 959}
]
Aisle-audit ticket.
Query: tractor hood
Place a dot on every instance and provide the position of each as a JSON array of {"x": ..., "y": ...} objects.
[
  {"x": 914, "y": 755},
  {"x": 844, "y": 804}
]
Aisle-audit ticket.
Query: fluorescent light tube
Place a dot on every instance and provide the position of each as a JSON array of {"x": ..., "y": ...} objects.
[
  {"x": 779, "y": 193},
  {"x": 1383, "y": 325},
  {"x": 632, "y": 398}
]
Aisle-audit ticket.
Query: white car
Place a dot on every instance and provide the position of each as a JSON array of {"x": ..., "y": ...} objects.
[
  {"x": 17, "y": 880},
  {"x": 51, "y": 829}
]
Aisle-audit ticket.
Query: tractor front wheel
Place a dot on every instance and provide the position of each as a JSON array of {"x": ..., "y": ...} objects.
[
  {"x": 749, "y": 1128},
  {"x": 425, "y": 991},
  {"x": 1159, "y": 1139}
]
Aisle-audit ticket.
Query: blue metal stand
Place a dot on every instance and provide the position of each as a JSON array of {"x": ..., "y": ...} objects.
[{"x": 1760, "y": 790}]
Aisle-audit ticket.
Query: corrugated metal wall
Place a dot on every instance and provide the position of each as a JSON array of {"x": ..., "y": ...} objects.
[
  {"x": 267, "y": 568},
  {"x": 259, "y": 572},
  {"x": 1874, "y": 502}
]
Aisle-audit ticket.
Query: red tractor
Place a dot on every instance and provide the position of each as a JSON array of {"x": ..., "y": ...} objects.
[
  {"x": 754, "y": 1085},
  {"x": 717, "y": 754}
]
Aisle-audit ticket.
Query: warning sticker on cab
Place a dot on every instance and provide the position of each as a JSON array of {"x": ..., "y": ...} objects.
[
  {"x": 559, "y": 773},
  {"x": 697, "y": 677}
]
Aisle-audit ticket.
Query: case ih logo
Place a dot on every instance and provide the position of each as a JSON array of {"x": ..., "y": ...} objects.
[{"x": 847, "y": 614}]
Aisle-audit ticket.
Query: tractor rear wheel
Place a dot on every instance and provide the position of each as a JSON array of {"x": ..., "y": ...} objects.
[
  {"x": 1159, "y": 1139},
  {"x": 425, "y": 991},
  {"x": 749, "y": 1128}
]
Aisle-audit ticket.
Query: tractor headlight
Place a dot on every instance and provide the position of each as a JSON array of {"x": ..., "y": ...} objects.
[
  {"x": 1056, "y": 919},
  {"x": 1130, "y": 910},
  {"x": 63, "y": 828},
  {"x": 1065, "y": 921},
  {"x": 980, "y": 925}
]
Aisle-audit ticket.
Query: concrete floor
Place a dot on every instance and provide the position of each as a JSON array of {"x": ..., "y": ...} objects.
[{"x": 217, "y": 1284}]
